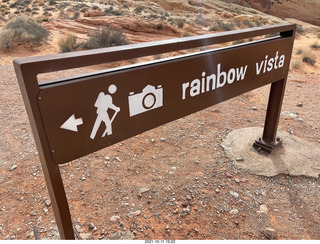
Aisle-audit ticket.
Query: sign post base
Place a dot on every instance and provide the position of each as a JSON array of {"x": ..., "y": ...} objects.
[{"x": 268, "y": 147}]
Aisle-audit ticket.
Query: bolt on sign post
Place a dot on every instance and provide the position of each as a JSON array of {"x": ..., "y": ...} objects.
[{"x": 74, "y": 116}]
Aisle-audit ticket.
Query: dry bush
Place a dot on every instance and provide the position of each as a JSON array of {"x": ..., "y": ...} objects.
[
  {"x": 308, "y": 58},
  {"x": 69, "y": 44},
  {"x": 23, "y": 29},
  {"x": 315, "y": 46},
  {"x": 106, "y": 37}
]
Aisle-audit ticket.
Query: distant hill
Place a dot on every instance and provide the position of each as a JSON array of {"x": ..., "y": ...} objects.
[{"x": 305, "y": 10}]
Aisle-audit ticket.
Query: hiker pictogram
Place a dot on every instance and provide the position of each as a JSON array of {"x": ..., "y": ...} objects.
[{"x": 103, "y": 103}]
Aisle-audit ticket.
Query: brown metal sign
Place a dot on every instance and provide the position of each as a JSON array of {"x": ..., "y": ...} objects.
[
  {"x": 72, "y": 117},
  {"x": 102, "y": 109}
]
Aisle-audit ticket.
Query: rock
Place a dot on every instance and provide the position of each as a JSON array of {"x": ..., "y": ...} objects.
[
  {"x": 93, "y": 13},
  {"x": 122, "y": 235},
  {"x": 240, "y": 159},
  {"x": 46, "y": 211},
  {"x": 262, "y": 209},
  {"x": 47, "y": 203},
  {"x": 86, "y": 236},
  {"x": 83, "y": 178},
  {"x": 91, "y": 226},
  {"x": 234, "y": 211},
  {"x": 143, "y": 190},
  {"x": 13, "y": 167},
  {"x": 254, "y": 108},
  {"x": 133, "y": 214},
  {"x": 107, "y": 158},
  {"x": 235, "y": 194},
  {"x": 162, "y": 139},
  {"x": 300, "y": 104},
  {"x": 270, "y": 233},
  {"x": 185, "y": 204},
  {"x": 115, "y": 219}
]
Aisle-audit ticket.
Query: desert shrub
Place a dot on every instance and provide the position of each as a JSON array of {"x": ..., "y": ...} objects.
[
  {"x": 23, "y": 29},
  {"x": 300, "y": 29},
  {"x": 69, "y": 44},
  {"x": 309, "y": 60},
  {"x": 7, "y": 39},
  {"x": 180, "y": 23},
  {"x": 299, "y": 51},
  {"x": 248, "y": 23},
  {"x": 138, "y": 9},
  {"x": 75, "y": 15},
  {"x": 159, "y": 26},
  {"x": 106, "y": 37},
  {"x": 315, "y": 46}
]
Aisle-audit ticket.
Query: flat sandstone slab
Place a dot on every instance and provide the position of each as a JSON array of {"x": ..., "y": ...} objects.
[{"x": 295, "y": 157}]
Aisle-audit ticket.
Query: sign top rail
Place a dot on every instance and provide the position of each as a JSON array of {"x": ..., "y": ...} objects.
[{"x": 63, "y": 61}]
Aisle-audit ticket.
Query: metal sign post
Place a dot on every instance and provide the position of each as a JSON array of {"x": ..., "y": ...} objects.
[{"x": 75, "y": 116}]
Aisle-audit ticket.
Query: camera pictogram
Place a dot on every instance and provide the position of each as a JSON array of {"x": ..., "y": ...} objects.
[{"x": 150, "y": 98}]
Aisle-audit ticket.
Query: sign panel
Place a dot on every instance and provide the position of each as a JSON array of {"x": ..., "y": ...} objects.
[{"x": 89, "y": 113}]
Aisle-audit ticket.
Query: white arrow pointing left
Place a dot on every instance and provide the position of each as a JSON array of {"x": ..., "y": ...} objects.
[{"x": 72, "y": 123}]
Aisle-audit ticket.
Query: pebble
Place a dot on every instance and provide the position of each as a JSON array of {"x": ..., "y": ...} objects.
[
  {"x": 107, "y": 158},
  {"x": 239, "y": 159},
  {"x": 254, "y": 108},
  {"x": 162, "y": 139},
  {"x": 91, "y": 226},
  {"x": 47, "y": 203},
  {"x": 234, "y": 211},
  {"x": 143, "y": 190},
  {"x": 262, "y": 209},
  {"x": 118, "y": 159},
  {"x": 136, "y": 213},
  {"x": 83, "y": 178},
  {"x": 114, "y": 219},
  {"x": 300, "y": 104},
  {"x": 270, "y": 233},
  {"x": 235, "y": 194},
  {"x": 14, "y": 167}
]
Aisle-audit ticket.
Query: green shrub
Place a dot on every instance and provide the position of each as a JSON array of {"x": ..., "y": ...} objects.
[
  {"x": 106, "y": 37},
  {"x": 23, "y": 29}
]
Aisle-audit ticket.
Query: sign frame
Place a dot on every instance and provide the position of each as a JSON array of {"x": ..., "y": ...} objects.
[{"x": 27, "y": 70}]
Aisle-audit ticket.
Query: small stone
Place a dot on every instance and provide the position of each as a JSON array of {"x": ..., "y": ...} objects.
[
  {"x": 153, "y": 140},
  {"x": 162, "y": 139},
  {"x": 228, "y": 175},
  {"x": 234, "y": 211},
  {"x": 240, "y": 159},
  {"x": 47, "y": 203},
  {"x": 270, "y": 233},
  {"x": 254, "y": 108},
  {"x": 235, "y": 194},
  {"x": 217, "y": 190},
  {"x": 118, "y": 159},
  {"x": 14, "y": 167},
  {"x": 114, "y": 219},
  {"x": 91, "y": 226},
  {"x": 32, "y": 214},
  {"x": 107, "y": 158},
  {"x": 262, "y": 209},
  {"x": 133, "y": 214},
  {"x": 300, "y": 104},
  {"x": 86, "y": 236},
  {"x": 45, "y": 210},
  {"x": 83, "y": 178},
  {"x": 143, "y": 190},
  {"x": 185, "y": 204}
]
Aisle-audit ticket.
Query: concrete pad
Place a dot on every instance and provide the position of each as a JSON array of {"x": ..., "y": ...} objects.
[{"x": 295, "y": 157}]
